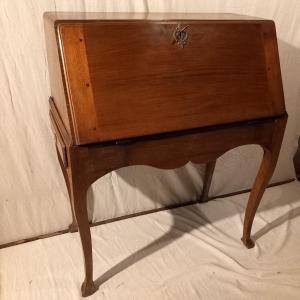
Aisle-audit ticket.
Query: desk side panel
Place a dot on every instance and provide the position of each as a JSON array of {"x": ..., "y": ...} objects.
[{"x": 55, "y": 74}]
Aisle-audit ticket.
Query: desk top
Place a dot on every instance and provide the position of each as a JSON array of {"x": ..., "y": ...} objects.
[{"x": 92, "y": 16}]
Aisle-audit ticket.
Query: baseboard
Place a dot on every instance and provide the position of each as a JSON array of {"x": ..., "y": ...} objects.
[{"x": 43, "y": 236}]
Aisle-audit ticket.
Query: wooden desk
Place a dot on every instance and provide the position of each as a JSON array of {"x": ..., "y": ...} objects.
[{"x": 160, "y": 90}]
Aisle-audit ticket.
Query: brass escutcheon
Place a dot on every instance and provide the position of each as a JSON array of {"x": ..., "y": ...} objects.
[{"x": 180, "y": 35}]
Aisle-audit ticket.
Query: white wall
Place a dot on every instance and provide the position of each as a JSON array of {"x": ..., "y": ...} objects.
[{"x": 33, "y": 197}]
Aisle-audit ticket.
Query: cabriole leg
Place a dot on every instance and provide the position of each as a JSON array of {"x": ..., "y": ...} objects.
[
  {"x": 80, "y": 210},
  {"x": 265, "y": 173}
]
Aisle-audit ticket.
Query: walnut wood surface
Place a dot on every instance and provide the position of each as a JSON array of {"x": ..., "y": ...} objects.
[
  {"x": 125, "y": 94},
  {"x": 87, "y": 163},
  {"x": 116, "y": 74}
]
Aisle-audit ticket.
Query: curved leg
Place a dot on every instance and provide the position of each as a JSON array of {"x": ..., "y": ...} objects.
[
  {"x": 73, "y": 226},
  {"x": 261, "y": 182},
  {"x": 209, "y": 171},
  {"x": 78, "y": 193},
  {"x": 264, "y": 175}
]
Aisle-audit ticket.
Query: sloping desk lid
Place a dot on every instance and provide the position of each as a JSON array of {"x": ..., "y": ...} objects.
[{"x": 132, "y": 78}]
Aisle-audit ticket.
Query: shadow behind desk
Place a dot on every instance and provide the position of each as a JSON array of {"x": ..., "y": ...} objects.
[{"x": 160, "y": 90}]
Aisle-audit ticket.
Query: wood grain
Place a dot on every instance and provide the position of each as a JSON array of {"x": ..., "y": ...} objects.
[
  {"x": 116, "y": 72},
  {"x": 127, "y": 94},
  {"x": 78, "y": 82},
  {"x": 88, "y": 163}
]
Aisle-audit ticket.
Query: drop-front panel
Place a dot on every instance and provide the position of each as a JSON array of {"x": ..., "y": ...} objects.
[{"x": 126, "y": 78}]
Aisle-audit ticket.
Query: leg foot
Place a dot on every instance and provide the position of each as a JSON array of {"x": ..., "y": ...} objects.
[
  {"x": 88, "y": 288},
  {"x": 73, "y": 227},
  {"x": 248, "y": 242},
  {"x": 210, "y": 167}
]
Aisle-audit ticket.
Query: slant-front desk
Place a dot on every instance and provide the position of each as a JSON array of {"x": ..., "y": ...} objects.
[{"x": 160, "y": 90}]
